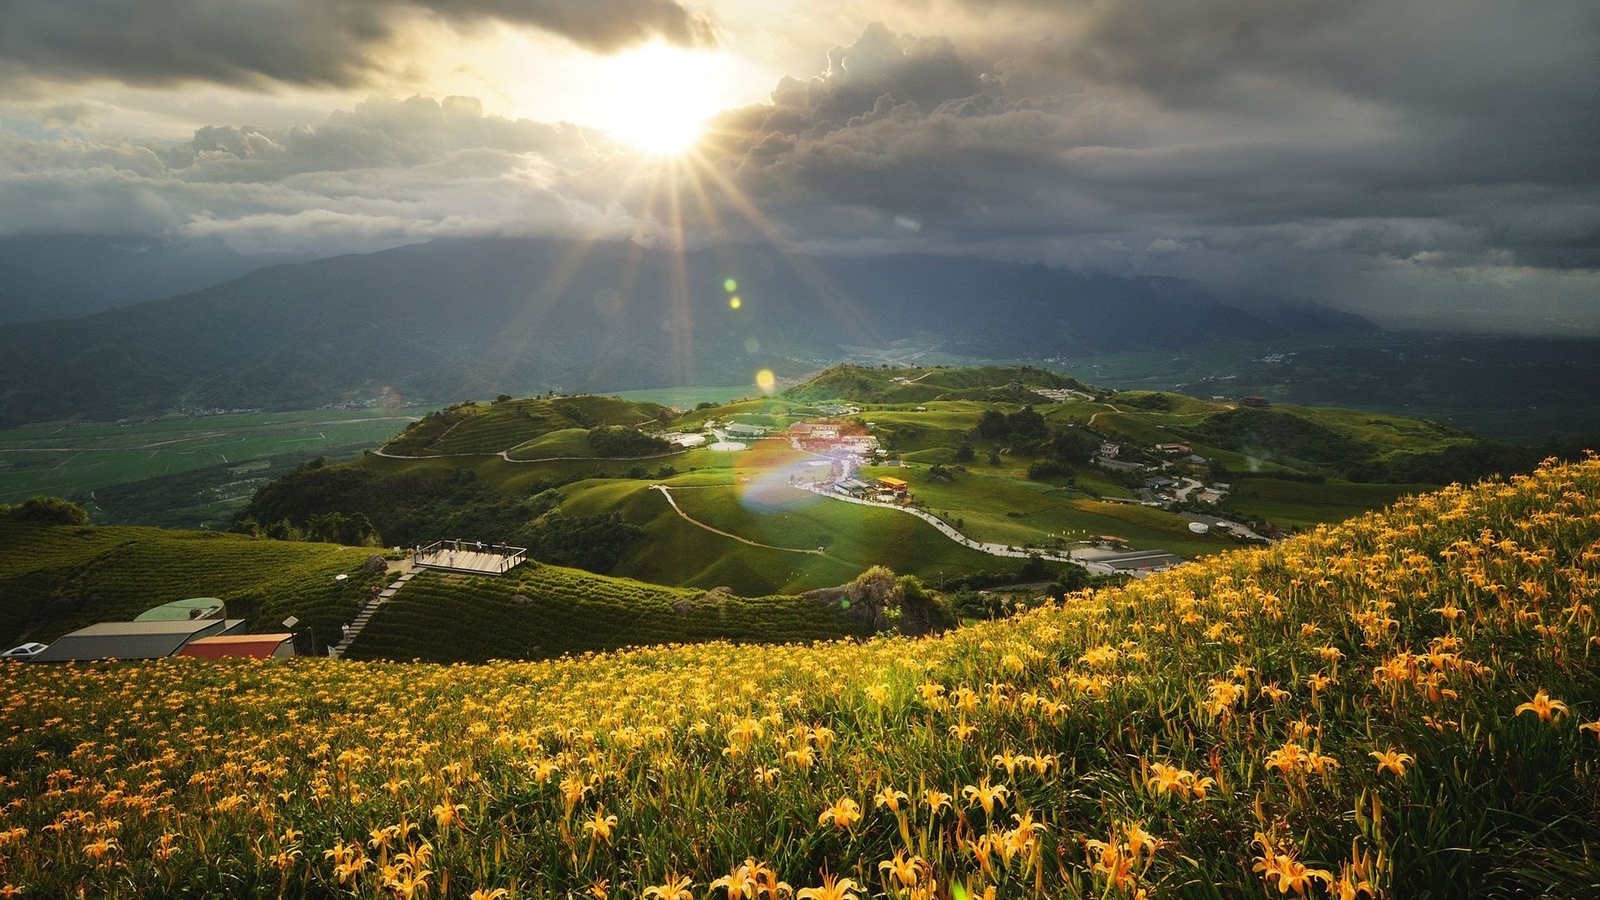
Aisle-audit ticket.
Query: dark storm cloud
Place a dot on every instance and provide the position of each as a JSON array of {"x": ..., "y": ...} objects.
[
  {"x": 1396, "y": 157},
  {"x": 1316, "y": 152},
  {"x": 300, "y": 42},
  {"x": 386, "y": 172}
]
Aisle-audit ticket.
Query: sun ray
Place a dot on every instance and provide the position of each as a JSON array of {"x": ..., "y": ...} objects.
[{"x": 848, "y": 310}]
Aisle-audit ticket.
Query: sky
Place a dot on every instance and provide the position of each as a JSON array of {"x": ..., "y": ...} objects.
[{"x": 1426, "y": 163}]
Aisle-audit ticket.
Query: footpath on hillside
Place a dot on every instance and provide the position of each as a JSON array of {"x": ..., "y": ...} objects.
[{"x": 665, "y": 492}]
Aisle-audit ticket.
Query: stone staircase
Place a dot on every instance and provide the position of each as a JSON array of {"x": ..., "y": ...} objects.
[{"x": 365, "y": 616}]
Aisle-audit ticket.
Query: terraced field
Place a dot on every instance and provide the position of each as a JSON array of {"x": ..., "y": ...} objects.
[
  {"x": 541, "y": 612},
  {"x": 503, "y": 426},
  {"x": 57, "y": 579}
]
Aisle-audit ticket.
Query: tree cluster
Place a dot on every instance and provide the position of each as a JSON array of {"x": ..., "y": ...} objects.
[{"x": 353, "y": 505}]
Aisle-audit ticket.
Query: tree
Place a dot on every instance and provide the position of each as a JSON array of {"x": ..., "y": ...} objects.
[
  {"x": 46, "y": 511},
  {"x": 873, "y": 594},
  {"x": 1026, "y": 423},
  {"x": 992, "y": 424},
  {"x": 965, "y": 453},
  {"x": 923, "y": 611},
  {"x": 994, "y": 457}
]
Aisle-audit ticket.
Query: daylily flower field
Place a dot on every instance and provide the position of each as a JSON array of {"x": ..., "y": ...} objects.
[{"x": 1406, "y": 705}]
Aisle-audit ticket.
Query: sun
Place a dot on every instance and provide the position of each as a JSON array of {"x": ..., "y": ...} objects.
[{"x": 659, "y": 97}]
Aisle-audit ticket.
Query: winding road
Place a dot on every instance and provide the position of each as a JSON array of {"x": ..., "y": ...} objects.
[{"x": 944, "y": 527}]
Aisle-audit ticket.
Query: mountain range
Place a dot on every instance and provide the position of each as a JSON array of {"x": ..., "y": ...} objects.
[
  {"x": 63, "y": 276},
  {"x": 466, "y": 318}
]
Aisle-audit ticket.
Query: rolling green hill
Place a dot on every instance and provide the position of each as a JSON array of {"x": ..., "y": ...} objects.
[
  {"x": 54, "y": 579},
  {"x": 1014, "y": 474},
  {"x": 511, "y": 425},
  {"x": 542, "y": 612}
]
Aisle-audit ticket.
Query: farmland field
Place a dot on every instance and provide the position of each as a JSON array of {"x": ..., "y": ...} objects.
[{"x": 77, "y": 459}]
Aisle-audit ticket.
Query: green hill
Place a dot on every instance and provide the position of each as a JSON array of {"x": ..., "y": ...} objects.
[
  {"x": 1005, "y": 472},
  {"x": 1399, "y": 706},
  {"x": 540, "y": 612},
  {"x": 506, "y": 425},
  {"x": 54, "y": 579}
]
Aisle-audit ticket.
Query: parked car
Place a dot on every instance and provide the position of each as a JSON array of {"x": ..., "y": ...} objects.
[{"x": 26, "y": 651}]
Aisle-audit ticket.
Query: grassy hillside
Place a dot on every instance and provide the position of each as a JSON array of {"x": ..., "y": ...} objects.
[
  {"x": 539, "y": 611},
  {"x": 55, "y": 579},
  {"x": 470, "y": 428},
  {"x": 1035, "y": 487},
  {"x": 1399, "y": 706}
]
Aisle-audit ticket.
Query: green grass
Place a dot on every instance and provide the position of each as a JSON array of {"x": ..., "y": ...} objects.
[
  {"x": 497, "y": 427},
  {"x": 565, "y": 442},
  {"x": 542, "y": 612},
  {"x": 768, "y": 511},
  {"x": 1034, "y": 513},
  {"x": 689, "y": 397},
  {"x": 1292, "y": 504},
  {"x": 56, "y": 579}
]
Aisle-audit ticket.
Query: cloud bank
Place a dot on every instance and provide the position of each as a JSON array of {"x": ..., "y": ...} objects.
[
  {"x": 1423, "y": 163},
  {"x": 258, "y": 43}
]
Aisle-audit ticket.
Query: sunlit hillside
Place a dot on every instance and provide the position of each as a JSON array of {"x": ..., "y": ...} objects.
[{"x": 1405, "y": 705}]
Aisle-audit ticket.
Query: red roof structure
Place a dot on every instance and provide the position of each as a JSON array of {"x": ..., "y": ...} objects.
[{"x": 241, "y": 646}]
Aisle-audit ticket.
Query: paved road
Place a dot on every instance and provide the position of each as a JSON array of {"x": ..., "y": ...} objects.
[
  {"x": 943, "y": 526},
  {"x": 1189, "y": 487}
]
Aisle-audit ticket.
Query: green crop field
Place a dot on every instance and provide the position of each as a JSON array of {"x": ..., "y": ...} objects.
[
  {"x": 75, "y": 459},
  {"x": 1021, "y": 512},
  {"x": 1293, "y": 504},
  {"x": 55, "y": 579},
  {"x": 541, "y": 612}
]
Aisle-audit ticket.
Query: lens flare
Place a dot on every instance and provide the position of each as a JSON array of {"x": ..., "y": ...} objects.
[
  {"x": 735, "y": 303},
  {"x": 766, "y": 381},
  {"x": 730, "y": 285}
]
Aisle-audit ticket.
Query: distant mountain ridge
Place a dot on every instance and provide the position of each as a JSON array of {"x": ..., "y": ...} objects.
[
  {"x": 457, "y": 319},
  {"x": 64, "y": 276}
]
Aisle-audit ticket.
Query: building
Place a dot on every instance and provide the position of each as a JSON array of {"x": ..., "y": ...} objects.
[
  {"x": 241, "y": 646},
  {"x": 1255, "y": 402},
  {"x": 852, "y": 487},
  {"x": 741, "y": 430},
  {"x": 132, "y": 640},
  {"x": 894, "y": 485},
  {"x": 1173, "y": 448},
  {"x": 1117, "y": 465},
  {"x": 1137, "y": 563},
  {"x": 183, "y": 610}
]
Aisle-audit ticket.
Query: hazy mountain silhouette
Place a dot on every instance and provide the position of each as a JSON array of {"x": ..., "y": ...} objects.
[
  {"x": 471, "y": 318},
  {"x": 63, "y": 276}
]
